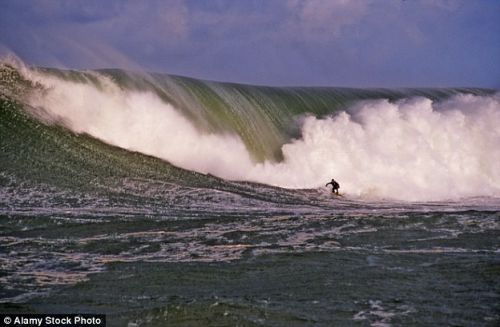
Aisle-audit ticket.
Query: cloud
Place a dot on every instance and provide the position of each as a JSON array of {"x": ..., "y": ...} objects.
[
  {"x": 95, "y": 34},
  {"x": 340, "y": 42},
  {"x": 323, "y": 20},
  {"x": 449, "y": 5}
]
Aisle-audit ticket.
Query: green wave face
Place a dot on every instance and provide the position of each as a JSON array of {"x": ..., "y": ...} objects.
[
  {"x": 53, "y": 123},
  {"x": 33, "y": 151}
]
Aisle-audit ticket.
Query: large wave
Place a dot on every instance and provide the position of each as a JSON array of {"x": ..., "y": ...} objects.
[{"x": 413, "y": 148}]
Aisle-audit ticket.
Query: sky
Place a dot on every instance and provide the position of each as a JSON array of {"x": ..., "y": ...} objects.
[{"x": 359, "y": 43}]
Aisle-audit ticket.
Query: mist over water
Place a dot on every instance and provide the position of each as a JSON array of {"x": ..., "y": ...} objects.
[{"x": 412, "y": 149}]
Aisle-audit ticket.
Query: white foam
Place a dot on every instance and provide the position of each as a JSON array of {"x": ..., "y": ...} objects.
[
  {"x": 411, "y": 150},
  {"x": 139, "y": 121},
  {"x": 405, "y": 150}
]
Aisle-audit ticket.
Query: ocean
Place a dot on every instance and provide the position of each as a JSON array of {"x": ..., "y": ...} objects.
[{"x": 162, "y": 200}]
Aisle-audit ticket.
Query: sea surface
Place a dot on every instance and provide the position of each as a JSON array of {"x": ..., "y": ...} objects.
[{"x": 168, "y": 201}]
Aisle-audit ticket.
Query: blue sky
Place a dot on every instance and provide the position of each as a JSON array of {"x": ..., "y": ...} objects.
[{"x": 363, "y": 43}]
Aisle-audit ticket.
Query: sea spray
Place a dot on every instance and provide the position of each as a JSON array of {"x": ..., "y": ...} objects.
[
  {"x": 405, "y": 150},
  {"x": 409, "y": 149},
  {"x": 138, "y": 121}
]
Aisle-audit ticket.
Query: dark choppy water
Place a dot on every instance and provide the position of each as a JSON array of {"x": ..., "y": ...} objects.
[{"x": 217, "y": 258}]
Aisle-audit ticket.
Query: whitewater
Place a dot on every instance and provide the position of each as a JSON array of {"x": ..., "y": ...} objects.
[{"x": 412, "y": 149}]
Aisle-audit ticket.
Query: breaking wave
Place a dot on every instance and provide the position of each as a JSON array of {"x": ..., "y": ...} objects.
[{"x": 412, "y": 145}]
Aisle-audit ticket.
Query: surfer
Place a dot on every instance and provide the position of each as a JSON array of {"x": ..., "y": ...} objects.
[{"x": 335, "y": 186}]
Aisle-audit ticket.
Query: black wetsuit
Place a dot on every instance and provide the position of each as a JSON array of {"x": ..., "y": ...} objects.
[{"x": 335, "y": 186}]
